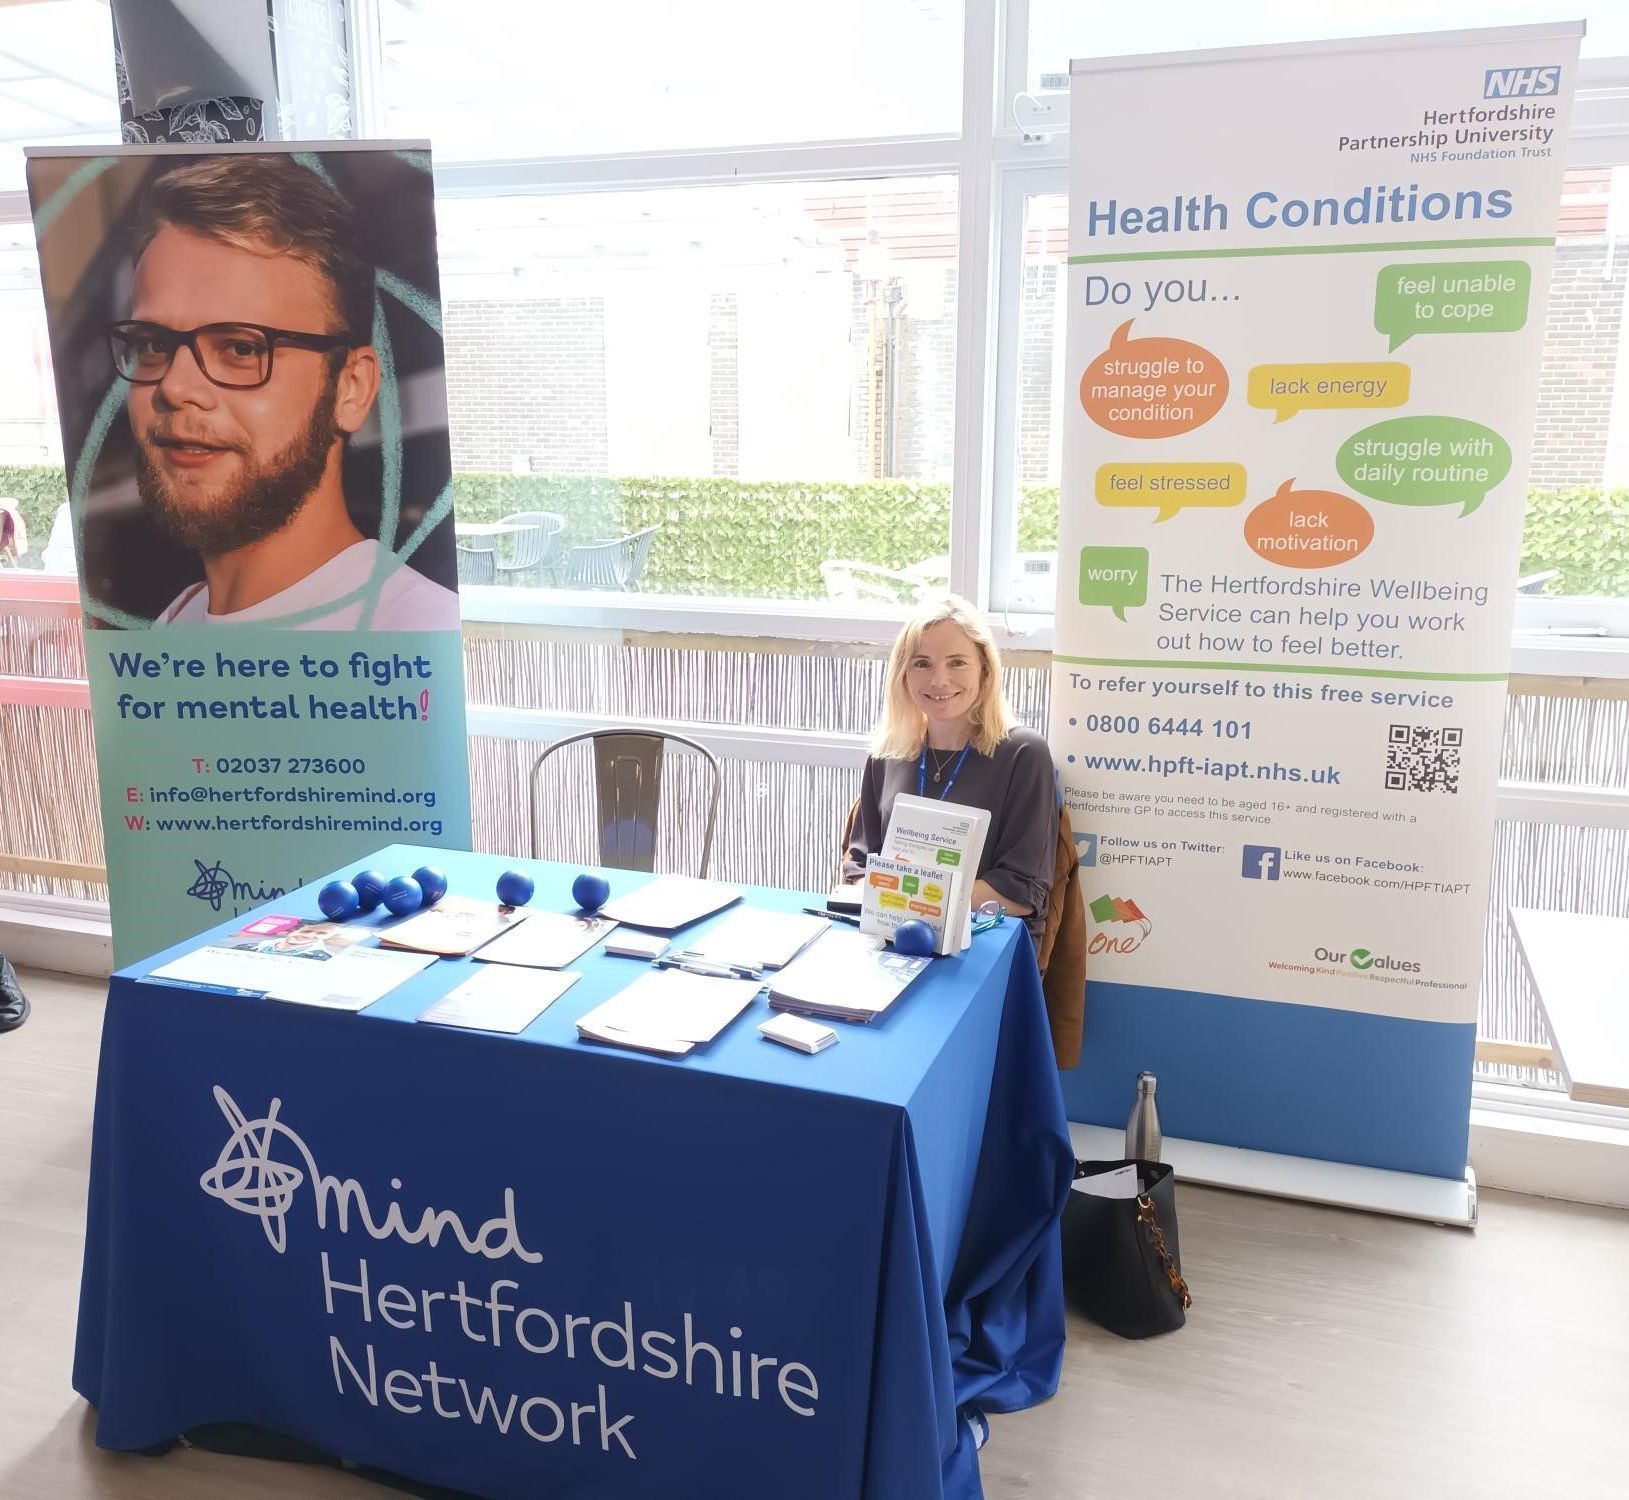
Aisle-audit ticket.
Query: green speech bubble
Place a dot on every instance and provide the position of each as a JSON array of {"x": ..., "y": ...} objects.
[
  {"x": 1115, "y": 576},
  {"x": 1457, "y": 296},
  {"x": 1425, "y": 461}
]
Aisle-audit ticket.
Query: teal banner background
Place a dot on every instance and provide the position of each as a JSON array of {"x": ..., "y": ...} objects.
[{"x": 221, "y": 791}]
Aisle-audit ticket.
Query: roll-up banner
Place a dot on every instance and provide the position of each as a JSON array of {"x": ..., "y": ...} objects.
[
  {"x": 249, "y": 366},
  {"x": 1307, "y": 302}
]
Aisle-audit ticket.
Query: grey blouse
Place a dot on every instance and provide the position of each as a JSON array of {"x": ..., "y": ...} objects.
[{"x": 1014, "y": 785}]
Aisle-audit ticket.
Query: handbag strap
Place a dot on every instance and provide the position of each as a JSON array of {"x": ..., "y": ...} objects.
[{"x": 1156, "y": 1235}]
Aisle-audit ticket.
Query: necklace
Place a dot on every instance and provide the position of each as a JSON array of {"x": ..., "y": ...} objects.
[{"x": 939, "y": 765}]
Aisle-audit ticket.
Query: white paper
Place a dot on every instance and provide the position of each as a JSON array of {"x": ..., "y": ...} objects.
[
  {"x": 671, "y": 1005},
  {"x": 1120, "y": 1183},
  {"x": 670, "y": 902},
  {"x": 351, "y": 979},
  {"x": 502, "y": 998},
  {"x": 755, "y": 938},
  {"x": 546, "y": 940}
]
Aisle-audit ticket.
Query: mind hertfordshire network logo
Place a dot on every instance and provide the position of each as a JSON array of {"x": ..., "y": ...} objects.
[{"x": 268, "y": 1172}]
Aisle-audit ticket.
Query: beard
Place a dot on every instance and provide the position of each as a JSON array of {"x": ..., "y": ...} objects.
[{"x": 264, "y": 499}]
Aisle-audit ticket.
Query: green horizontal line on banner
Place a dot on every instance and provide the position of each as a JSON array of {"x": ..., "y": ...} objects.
[
  {"x": 1376, "y": 249},
  {"x": 1248, "y": 666}
]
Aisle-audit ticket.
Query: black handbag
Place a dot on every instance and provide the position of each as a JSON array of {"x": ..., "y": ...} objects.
[{"x": 1122, "y": 1266}]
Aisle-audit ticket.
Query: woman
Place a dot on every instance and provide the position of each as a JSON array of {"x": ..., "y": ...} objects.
[{"x": 947, "y": 733}]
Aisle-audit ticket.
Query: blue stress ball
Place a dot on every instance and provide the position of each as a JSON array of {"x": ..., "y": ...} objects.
[
  {"x": 370, "y": 888},
  {"x": 432, "y": 882},
  {"x": 515, "y": 888},
  {"x": 402, "y": 895},
  {"x": 914, "y": 938},
  {"x": 590, "y": 892},
  {"x": 339, "y": 900}
]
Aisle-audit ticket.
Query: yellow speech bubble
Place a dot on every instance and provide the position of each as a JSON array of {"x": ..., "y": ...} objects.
[
  {"x": 1288, "y": 389},
  {"x": 1170, "y": 487}
]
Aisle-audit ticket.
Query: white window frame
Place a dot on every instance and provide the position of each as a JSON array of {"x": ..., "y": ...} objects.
[{"x": 996, "y": 166}]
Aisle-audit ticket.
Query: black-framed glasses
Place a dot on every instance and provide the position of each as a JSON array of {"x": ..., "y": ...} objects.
[{"x": 237, "y": 356}]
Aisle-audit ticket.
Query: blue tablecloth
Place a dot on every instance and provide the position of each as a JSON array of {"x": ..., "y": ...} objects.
[{"x": 743, "y": 1273}]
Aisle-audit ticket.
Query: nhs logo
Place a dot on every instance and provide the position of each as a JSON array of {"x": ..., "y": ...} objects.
[
  {"x": 1261, "y": 862},
  {"x": 1508, "y": 83}
]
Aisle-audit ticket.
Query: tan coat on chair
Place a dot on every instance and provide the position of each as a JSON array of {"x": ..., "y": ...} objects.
[{"x": 1062, "y": 954}]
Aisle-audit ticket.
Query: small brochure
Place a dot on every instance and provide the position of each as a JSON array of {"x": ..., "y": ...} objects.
[
  {"x": 668, "y": 1011},
  {"x": 500, "y": 998},
  {"x": 297, "y": 938},
  {"x": 670, "y": 902},
  {"x": 546, "y": 940},
  {"x": 897, "y": 890},
  {"x": 755, "y": 939},
  {"x": 949, "y": 837},
  {"x": 454, "y": 927}
]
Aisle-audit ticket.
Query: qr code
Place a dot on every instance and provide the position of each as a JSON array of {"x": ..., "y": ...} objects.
[{"x": 1423, "y": 759}]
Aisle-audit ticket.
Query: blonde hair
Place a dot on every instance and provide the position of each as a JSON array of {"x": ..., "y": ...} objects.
[{"x": 903, "y": 728}]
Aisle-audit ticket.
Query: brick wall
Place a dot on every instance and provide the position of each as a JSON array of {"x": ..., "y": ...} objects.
[
  {"x": 526, "y": 379},
  {"x": 1580, "y": 363},
  {"x": 1038, "y": 397},
  {"x": 724, "y": 383}
]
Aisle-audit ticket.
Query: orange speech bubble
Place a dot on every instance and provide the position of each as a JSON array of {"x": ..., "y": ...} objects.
[
  {"x": 1152, "y": 388},
  {"x": 1308, "y": 528}
]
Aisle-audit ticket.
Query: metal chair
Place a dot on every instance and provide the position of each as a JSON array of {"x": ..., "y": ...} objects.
[
  {"x": 615, "y": 564},
  {"x": 533, "y": 550},
  {"x": 477, "y": 564},
  {"x": 628, "y": 786}
]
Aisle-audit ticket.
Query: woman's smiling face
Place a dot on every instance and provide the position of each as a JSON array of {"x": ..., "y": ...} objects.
[{"x": 943, "y": 675}]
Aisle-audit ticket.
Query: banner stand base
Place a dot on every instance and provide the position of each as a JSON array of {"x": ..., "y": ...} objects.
[{"x": 1438, "y": 1200}]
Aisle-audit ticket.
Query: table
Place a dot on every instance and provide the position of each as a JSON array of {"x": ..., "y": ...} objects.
[
  {"x": 810, "y": 1263},
  {"x": 491, "y": 528},
  {"x": 1579, "y": 966}
]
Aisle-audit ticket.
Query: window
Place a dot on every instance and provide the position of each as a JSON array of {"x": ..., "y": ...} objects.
[
  {"x": 764, "y": 373},
  {"x": 56, "y": 80},
  {"x": 1060, "y": 30},
  {"x": 649, "y": 75}
]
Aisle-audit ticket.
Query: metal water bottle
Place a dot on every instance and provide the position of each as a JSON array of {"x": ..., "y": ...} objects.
[{"x": 1143, "y": 1128}]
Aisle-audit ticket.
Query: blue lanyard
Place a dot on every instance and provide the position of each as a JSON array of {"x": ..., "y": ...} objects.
[{"x": 922, "y": 771}]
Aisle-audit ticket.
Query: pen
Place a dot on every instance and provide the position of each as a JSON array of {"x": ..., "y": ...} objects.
[
  {"x": 835, "y": 916},
  {"x": 689, "y": 965}
]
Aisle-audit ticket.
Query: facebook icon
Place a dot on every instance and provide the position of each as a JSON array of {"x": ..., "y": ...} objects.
[{"x": 1261, "y": 862}]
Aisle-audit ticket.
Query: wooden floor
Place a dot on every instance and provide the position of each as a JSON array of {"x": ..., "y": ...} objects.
[{"x": 1329, "y": 1353}]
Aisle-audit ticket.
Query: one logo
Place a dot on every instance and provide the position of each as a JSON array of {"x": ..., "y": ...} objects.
[
  {"x": 1362, "y": 958},
  {"x": 1261, "y": 862},
  {"x": 1128, "y": 927},
  {"x": 1508, "y": 83},
  {"x": 1086, "y": 850},
  {"x": 215, "y": 883},
  {"x": 248, "y": 1177}
]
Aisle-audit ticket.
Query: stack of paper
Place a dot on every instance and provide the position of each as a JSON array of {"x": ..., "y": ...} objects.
[
  {"x": 670, "y": 902},
  {"x": 755, "y": 939},
  {"x": 845, "y": 976},
  {"x": 546, "y": 940},
  {"x": 668, "y": 1011},
  {"x": 454, "y": 927}
]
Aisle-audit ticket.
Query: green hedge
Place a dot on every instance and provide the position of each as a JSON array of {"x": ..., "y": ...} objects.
[
  {"x": 767, "y": 539},
  {"x": 1582, "y": 532},
  {"x": 39, "y": 492}
]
